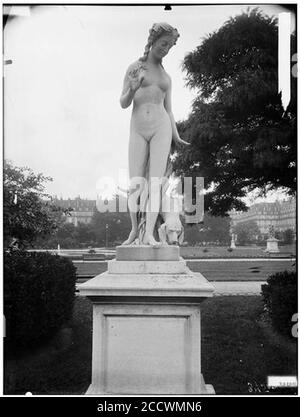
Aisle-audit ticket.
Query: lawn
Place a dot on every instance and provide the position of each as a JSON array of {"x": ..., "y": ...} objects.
[
  {"x": 203, "y": 252},
  {"x": 193, "y": 252},
  {"x": 236, "y": 351},
  {"x": 214, "y": 270}
]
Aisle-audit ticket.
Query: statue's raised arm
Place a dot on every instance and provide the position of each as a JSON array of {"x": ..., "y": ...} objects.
[{"x": 132, "y": 81}]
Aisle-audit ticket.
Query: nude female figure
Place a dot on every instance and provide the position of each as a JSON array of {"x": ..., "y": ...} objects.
[{"x": 152, "y": 126}]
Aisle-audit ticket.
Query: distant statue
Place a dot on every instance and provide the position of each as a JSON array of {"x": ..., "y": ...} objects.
[
  {"x": 152, "y": 130},
  {"x": 232, "y": 245},
  {"x": 272, "y": 242},
  {"x": 271, "y": 232}
]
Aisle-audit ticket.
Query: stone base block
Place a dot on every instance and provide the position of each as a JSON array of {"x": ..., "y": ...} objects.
[
  {"x": 206, "y": 389},
  {"x": 146, "y": 324},
  {"x": 147, "y": 253},
  {"x": 147, "y": 349},
  {"x": 272, "y": 245},
  {"x": 181, "y": 287},
  {"x": 147, "y": 267}
]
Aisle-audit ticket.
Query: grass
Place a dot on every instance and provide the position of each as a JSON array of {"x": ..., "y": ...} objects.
[
  {"x": 239, "y": 270},
  {"x": 195, "y": 252},
  {"x": 236, "y": 351}
]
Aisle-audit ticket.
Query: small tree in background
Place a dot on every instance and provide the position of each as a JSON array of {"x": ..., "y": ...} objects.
[
  {"x": 247, "y": 232},
  {"x": 85, "y": 234},
  {"x": 215, "y": 229},
  {"x": 110, "y": 227},
  {"x": 192, "y": 233},
  {"x": 27, "y": 209},
  {"x": 288, "y": 236}
]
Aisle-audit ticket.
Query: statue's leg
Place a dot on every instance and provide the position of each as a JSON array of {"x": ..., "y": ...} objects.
[
  {"x": 138, "y": 156},
  {"x": 159, "y": 151}
]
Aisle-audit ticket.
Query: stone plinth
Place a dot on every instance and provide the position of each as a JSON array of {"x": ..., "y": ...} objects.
[
  {"x": 147, "y": 267},
  {"x": 232, "y": 244},
  {"x": 147, "y": 253},
  {"x": 146, "y": 325},
  {"x": 272, "y": 245}
]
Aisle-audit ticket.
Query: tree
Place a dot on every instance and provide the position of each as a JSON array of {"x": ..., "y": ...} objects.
[
  {"x": 110, "y": 227},
  {"x": 212, "y": 229},
  {"x": 84, "y": 233},
  {"x": 241, "y": 137},
  {"x": 288, "y": 236},
  {"x": 215, "y": 229},
  {"x": 192, "y": 234},
  {"x": 27, "y": 209},
  {"x": 247, "y": 232}
]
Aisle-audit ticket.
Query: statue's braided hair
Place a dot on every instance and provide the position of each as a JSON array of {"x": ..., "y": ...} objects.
[{"x": 157, "y": 30}]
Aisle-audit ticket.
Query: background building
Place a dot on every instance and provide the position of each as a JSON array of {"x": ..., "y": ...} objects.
[
  {"x": 82, "y": 209},
  {"x": 280, "y": 214}
]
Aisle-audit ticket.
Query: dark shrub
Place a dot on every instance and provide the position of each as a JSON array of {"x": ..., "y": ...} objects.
[
  {"x": 280, "y": 300},
  {"x": 39, "y": 291}
]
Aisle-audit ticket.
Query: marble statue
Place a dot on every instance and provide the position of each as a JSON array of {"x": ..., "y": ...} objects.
[
  {"x": 152, "y": 130},
  {"x": 271, "y": 231}
]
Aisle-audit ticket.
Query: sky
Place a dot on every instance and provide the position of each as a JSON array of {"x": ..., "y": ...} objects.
[{"x": 62, "y": 115}]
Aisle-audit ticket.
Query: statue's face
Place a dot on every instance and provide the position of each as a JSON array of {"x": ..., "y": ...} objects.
[{"x": 162, "y": 45}]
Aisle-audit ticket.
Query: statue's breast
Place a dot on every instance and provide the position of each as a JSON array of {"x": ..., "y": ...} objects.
[{"x": 158, "y": 79}]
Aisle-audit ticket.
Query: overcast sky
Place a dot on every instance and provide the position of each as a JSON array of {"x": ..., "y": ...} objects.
[{"x": 61, "y": 93}]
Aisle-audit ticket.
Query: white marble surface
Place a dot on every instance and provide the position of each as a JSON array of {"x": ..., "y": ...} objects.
[
  {"x": 146, "y": 349},
  {"x": 146, "y": 328},
  {"x": 146, "y": 267},
  {"x": 147, "y": 253},
  {"x": 156, "y": 285},
  {"x": 272, "y": 245}
]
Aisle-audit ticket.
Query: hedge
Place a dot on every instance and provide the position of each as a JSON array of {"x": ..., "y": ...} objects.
[
  {"x": 39, "y": 290},
  {"x": 280, "y": 300}
]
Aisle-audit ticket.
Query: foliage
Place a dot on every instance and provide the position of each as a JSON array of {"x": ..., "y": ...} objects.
[
  {"x": 288, "y": 236},
  {"x": 39, "y": 294},
  {"x": 241, "y": 137},
  {"x": 110, "y": 228},
  {"x": 247, "y": 232},
  {"x": 69, "y": 236},
  {"x": 105, "y": 228},
  {"x": 280, "y": 300},
  {"x": 213, "y": 229},
  {"x": 27, "y": 209}
]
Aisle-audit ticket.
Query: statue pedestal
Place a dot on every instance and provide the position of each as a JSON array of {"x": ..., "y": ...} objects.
[
  {"x": 146, "y": 324},
  {"x": 272, "y": 245},
  {"x": 232, "y": 245}
]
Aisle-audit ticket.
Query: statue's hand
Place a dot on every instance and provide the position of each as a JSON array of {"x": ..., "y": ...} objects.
[
  {"x": 136, "y": 77},
  {"x": 179, "y": 141}
]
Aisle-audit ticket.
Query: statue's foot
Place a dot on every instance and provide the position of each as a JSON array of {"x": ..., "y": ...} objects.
[
  {"x": 149, "y": 240},
  {"x": 131, "y": 238}
]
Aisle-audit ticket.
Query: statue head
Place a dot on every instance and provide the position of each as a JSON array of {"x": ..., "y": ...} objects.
[{"x": 161, "y": 33}]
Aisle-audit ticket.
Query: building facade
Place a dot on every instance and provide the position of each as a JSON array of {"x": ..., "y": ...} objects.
[
  {"x": 280, "y": 214},
  {"x": 81, "y": 210}
]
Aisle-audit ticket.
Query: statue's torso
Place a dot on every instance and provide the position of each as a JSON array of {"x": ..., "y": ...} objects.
[{"x": 148, "y": 105}]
